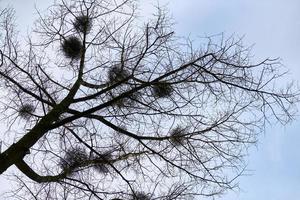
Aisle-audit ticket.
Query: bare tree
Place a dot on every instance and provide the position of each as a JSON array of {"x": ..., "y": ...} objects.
[{"x": 100, "y": 105}]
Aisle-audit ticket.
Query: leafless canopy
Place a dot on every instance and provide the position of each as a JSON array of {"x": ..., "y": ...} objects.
[{"x": 100, "y": 105}]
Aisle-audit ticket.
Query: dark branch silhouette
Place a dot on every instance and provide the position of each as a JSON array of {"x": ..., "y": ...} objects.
[{"x": 101, "y": 106}]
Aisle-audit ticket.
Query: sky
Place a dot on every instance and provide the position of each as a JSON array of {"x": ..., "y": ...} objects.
[{"x": 273, "y": 26}]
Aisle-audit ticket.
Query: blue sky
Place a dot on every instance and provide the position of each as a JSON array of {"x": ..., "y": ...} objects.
[{"x": 274, "y": 27}]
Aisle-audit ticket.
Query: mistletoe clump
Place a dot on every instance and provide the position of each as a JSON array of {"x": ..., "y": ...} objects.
[
  {"x": 72, "y": 47},
  {"x": 162, "y": 90},
  {"x": 26, "y": 111},
  {"x": 177, "y": 136},
  {"x": 141, "y": 196},
  {"x": 125, "y": 102},
  {"x": 83, "y": 24},
  {"x": 117, "y": 74},
  {"x": 74, "y": 158}
]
